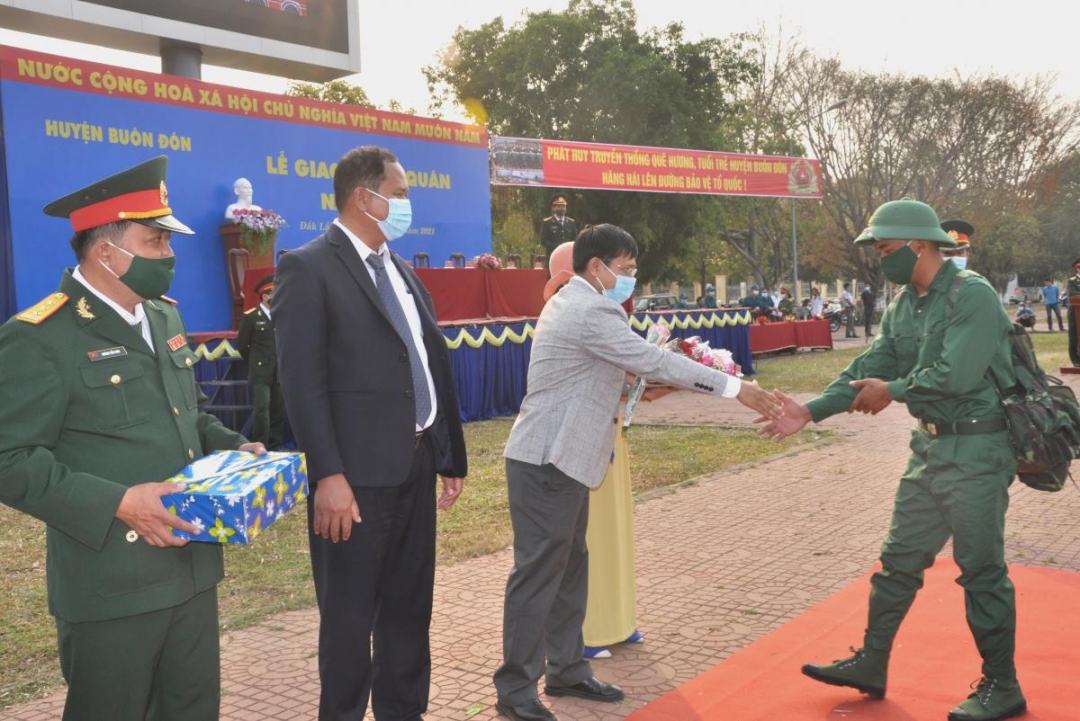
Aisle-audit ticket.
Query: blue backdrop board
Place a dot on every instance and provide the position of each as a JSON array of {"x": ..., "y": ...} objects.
[{"x": 67, "y": 123}]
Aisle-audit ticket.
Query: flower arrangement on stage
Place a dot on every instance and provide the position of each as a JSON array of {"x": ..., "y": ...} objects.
[
  {"x": 489, "y": 261},
  {"x": 258, "y": 228}
]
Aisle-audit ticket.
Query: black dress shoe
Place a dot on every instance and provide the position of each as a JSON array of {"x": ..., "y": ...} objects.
[
  {"x": 529, "y": 711},
  {"x": 591, "y": 688}
]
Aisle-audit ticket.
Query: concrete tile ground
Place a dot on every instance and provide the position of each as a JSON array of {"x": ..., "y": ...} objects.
[{"x": 721, "y": 561}]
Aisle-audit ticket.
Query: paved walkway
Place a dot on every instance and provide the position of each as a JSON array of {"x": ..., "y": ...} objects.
[{"x": 721, "y": 561}]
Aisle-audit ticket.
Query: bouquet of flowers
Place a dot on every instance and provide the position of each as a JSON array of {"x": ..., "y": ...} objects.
[
  {"x": 693, "y": 348},
  {"x": 258, "y": 228},
  {"x": 489, "y": 261},
  {"x": 698, "y": 350}
]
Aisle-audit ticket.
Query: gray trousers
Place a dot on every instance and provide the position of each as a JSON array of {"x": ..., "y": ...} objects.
[{"x": 548, "y": 586}]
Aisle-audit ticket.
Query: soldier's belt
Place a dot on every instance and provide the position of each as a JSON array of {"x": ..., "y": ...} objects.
[{"x": 963, "y": 428}]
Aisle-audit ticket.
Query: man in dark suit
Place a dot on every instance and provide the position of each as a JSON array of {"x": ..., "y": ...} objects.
[
  {"x": 98, "y": 403},
  {"x": 255, "y": 342},
  {"x": 366, "y": 377}
]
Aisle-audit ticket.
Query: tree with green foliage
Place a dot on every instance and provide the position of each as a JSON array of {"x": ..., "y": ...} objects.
[{"x": 587, "y": 74}]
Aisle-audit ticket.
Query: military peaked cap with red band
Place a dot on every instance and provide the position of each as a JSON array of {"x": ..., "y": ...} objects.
[
  {"x": 264, "y": 285},
  {"x": 959, "y": 230},
  {"x": 137, "y": 194}
]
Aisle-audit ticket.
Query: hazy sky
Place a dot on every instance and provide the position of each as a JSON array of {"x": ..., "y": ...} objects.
[{"x": 926, "y": 37}]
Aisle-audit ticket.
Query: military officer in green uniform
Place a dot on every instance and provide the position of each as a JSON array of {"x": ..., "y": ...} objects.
[
  {"x": 557, "y": 228},
  {"x": 1073, "y": 291},
  {"x": 98, "y": 404},
  {"x": 255, "y": 342},
  {"x": 940, "y": 361}
]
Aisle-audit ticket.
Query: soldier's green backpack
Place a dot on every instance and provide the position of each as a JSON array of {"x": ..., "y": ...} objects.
[{"x": 1042, "y": 412}]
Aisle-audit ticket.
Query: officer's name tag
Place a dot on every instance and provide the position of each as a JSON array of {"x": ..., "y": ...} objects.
[{"x": 107, "y": 353}]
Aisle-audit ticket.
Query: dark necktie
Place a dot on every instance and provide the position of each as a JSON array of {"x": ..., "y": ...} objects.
[{"x": 401, "y": 325}]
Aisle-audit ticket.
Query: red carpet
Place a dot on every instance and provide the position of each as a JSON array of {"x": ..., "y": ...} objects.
[{"x": 932, "y": 665}]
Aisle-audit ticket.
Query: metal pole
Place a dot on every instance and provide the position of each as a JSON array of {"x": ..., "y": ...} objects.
[{"x": 794, "y": 243}]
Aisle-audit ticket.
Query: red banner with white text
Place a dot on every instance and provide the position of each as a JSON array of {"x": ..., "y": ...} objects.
[{"x": 555, "y": 163}]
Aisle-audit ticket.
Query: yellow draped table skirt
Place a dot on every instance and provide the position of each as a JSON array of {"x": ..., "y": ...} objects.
[{"x": 610, "y": 614}]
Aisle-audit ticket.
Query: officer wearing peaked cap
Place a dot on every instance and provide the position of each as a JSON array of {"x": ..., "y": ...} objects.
[
  {"x": 557, "y": 228},
  {"x": 961, "y": 232},
  {"x": 942, "y": 341},
  {"x": 98, "y": 404},
  {"x": 255, "y": 342}
]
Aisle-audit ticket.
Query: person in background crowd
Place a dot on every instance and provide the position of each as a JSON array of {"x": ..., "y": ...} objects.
[
  {"x": 957, "y": 479},
  {"x": 1025, "y": 315},
  {"x": 255, "y": 343},
  {"x": 786, "y": 305},
  {"x": 370, "y": 396},
  {"x": 817, "y": 303},
  {"x": 960, "y": 231},
  {"x": 869, "y": 301},
  {"x": 1052, "y": 299},
  {"x": 557, "y": 228},
  {"x": 759, "y": 304},
  {"x": 1072, "y": 290},
  {"x": 709, "y": 301},
  {"x": 98, "y": 400},
  {"x": 682, "y": 303},
  {"x": 847, "y": 303},
  {"x": 561, "y": 446}
]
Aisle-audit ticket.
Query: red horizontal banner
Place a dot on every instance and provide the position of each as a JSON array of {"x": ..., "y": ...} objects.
[{"x": 524, "y": 161}]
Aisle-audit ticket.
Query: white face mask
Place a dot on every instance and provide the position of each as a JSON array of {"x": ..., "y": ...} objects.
[
  {"x": 398, "y": 217},
  {"x": 960, "y": 261}
]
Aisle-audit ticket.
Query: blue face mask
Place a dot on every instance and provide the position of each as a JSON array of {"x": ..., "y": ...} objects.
[
  {"x": 961, "y": 262},
  {"x": 624, "y": 286},
  {"x": 397, "y": 220}
]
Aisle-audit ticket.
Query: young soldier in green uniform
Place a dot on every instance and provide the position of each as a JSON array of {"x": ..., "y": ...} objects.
[
  {"x": 255, "y": 342},
  {"x": 939, "y": 362},
  {"x": 98, "y": 402}
]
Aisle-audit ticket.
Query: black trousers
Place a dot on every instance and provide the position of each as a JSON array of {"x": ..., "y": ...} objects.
[{"x": 374, "y": 593}]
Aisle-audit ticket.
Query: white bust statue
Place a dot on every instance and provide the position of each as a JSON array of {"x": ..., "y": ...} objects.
[{"x": 244, "y": 193}]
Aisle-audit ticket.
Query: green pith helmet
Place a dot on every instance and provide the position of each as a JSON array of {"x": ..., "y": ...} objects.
[{"x": 905, "y": 220}]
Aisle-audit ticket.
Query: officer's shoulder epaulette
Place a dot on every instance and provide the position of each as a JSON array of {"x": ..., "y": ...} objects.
[
  {"x": 167, "y": 299},
  {"x": 249, "y": 311},
  {"x": 570, "y": 219},
  {"x": 43, "y": 309},
  {"x": 547, "y": 218}
]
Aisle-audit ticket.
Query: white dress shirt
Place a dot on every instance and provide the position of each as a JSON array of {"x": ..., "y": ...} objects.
[{"x": 408, "y": 304}]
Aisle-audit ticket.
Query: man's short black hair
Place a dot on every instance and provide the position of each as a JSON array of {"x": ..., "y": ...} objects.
[
  {"x": 604, "y": 241},
  {"x": 360, "y": 167},
  {"x": 83, "y": 239}
]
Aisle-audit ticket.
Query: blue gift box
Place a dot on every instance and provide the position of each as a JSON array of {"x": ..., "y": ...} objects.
[{"x": 233, "y": 495}]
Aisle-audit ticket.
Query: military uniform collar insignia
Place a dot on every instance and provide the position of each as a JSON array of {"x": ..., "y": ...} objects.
[{"x": 82, "y": 308}]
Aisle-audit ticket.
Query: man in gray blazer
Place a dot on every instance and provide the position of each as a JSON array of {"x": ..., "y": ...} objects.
[{"x": 559, "y": 448}]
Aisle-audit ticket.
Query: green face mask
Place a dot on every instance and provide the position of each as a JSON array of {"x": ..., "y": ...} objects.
[
  {"x": 147, "y": 277},
  {"x": 899, "y": 265}
]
